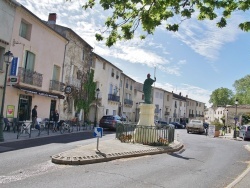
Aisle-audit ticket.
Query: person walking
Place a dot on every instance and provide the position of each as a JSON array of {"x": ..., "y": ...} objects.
[
  {"x": 34, "y": 116},
  {"x": 56, "y": 119}
]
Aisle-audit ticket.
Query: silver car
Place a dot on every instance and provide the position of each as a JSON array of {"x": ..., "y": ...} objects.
[{"x": 244, "y": 132}]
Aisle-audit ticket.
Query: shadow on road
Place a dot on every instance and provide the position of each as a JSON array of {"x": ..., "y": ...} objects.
[{"x": 181, "y": 157}]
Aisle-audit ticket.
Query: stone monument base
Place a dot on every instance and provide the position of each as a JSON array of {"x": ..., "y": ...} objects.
[{"x": 146, "y": 134}]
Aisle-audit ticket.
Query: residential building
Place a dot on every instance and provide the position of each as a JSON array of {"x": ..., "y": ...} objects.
[
  {"x": 40, "y": 53},
  {"x": 179, "y": 107},
  {"x": 78, "y": 61},
  {"x": 167, "y": 103},
  {"x": 138, "y": 99},
  {"x": 107, "y": 77},
  {"x": 7, "y": 17},
  {"x": 127, "y": 85},
  {"x": 158, "y": 101}
]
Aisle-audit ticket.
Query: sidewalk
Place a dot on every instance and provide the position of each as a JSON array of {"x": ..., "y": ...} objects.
[{"x": 10, "y": 136}]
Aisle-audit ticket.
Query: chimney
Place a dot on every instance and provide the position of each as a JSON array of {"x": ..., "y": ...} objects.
[
  {"x": 180, "y": 93},
  {"x": 186, "y": 96},
  {"x": 52, "y": 18}
]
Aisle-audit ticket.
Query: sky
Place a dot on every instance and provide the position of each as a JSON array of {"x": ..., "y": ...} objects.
[{"x": 195, "y": 61}]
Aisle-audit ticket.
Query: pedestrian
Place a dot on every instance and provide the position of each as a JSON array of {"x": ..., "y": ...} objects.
[
  {"x": 34, "y": 116},
  {"x": 56, "y": 119}
]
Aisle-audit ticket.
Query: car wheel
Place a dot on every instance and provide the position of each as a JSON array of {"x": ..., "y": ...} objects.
[{"x": 187, "y": 131}]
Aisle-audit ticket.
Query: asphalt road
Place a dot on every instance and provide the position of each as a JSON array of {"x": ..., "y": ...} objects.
[{"x": 204, "y": 162}]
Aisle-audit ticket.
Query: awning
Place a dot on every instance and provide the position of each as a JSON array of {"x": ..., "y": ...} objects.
[{"x": 39, "y": 92}]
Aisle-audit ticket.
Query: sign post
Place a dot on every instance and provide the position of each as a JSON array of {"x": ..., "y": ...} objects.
[
  {"x": 211, "y": 130},
  {"x": 98, "y": 132}
]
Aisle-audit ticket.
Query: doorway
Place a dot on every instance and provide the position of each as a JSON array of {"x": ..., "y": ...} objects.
[
  {"x": 52, "y": 109},
  {"x": 24, "y": 107}
]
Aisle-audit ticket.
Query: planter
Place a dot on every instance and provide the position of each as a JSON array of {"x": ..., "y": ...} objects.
[{"x": 216, "y": 133}]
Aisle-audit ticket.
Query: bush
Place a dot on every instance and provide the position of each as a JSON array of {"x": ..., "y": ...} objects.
[{"x": 217, "y": 125}]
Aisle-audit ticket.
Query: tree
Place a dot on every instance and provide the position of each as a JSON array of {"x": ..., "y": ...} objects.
[
  {"x": 222, "y": 97},
  {"x": 127, "y": 16},
  {"x": 86, "y": 95},
  {"x": 242, "y": 87}
]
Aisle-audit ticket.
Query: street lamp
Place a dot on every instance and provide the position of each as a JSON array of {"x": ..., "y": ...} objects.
[
  {"x": 236, "y": 102},
  {"x": 227, "y": 121},
  {"x": 8, "y": 56},
  {"x": 97, "y": 93}
]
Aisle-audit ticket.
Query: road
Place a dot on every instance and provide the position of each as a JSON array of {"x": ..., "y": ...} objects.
[{"x": 204, "y": 162}]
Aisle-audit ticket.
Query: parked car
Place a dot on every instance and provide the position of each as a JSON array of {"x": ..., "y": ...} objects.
[
  {"x": 110, "y": 121},
  {"x": 177, "y": 125},
  {"x": 244, "y": 132}
]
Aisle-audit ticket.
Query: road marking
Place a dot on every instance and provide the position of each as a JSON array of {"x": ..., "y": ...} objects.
[{"x": 30, "y": 171}]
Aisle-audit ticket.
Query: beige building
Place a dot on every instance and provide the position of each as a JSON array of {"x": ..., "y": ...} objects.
[
  {"x": 126, "y": 109},
  {"x": 107, "y": 77},
  {"x": 7, "y": 16},
  {"x": 40, "y": 53}
]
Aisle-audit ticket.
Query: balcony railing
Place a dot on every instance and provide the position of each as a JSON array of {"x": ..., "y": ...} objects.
[
  {"x": 75, "y": 82},
  {"x": 56, "y": 85},
  {"x": 167, "y": 113},
  {"x": 30, "y": 77},
  {"x": 112, "y": 97},
  {"x": 128, "y": 102},
  {"x": 191, "y": 115}
]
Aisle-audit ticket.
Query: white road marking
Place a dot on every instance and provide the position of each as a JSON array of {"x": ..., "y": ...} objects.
[{"x": 30, "y": 171}]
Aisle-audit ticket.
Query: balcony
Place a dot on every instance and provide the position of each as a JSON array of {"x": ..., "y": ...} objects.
[
  {"x": 128, "y": 102},
  {"x": 29, "y": 77},
  {"x": 56, "y": 85},
  {"x": 75, "y": 82},
  {"x": 112, "y": 97},
  {"x": 167, "y": 113},
  {"x": 191, "y": 115}
]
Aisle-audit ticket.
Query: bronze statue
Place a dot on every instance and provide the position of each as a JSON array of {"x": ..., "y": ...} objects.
[{"x": 147, "y": 88}]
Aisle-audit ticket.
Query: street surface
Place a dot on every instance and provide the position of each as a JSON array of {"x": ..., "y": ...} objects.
[{"x": 204, "y": 162}]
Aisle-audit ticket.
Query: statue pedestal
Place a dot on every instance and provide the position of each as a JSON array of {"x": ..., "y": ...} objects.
[
  {"x": 146, "y": 134},
  {"x": 147, "y": 113}
]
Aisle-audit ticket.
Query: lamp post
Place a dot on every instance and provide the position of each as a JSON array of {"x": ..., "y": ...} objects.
[
  {"x": 97, "y": 93},
  {"x": 236, "y": 102},
  {"x": 227, "y": 121},
  {"x": 8, "y": 56}
]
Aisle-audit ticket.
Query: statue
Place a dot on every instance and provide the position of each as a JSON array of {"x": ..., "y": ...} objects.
[{"x": 147, "y": 88}]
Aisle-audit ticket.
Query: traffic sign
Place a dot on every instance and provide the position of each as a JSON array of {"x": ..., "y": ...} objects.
[
  {"x": 13, "y": 80},
  {"x": 98, "y": 132}
]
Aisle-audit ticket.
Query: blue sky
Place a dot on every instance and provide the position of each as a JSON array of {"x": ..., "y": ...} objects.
[{"x": 195, "y": 61}]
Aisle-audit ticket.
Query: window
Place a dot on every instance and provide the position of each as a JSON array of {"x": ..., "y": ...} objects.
[
  {"x": 1, "y": 57},
  {"x": 25, "y": 30},
  {"x": 161, "y": 95},
  {"x": 167, "y": 97},
  {"x": 127, "y": 83},
  {"x": 117, "y": 74},
  {"x": 157, "y": 94},
  {"x": 110, "y": 89},
  {"x": 112, "y": 73},
  {"x": 29, "y": 61},
  {"x": 104, "y": 66},
  {"x": 56, "y": 73}
]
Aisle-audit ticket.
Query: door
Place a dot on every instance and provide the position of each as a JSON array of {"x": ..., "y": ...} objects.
[
  {"x": 52, "y": 109},
  {"x": 24, "y": 108}
]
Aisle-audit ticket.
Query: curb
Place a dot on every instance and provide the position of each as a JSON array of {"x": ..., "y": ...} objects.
[{"x": 102, "y": 157}]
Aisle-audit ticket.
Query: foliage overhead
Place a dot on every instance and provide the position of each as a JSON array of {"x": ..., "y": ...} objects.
[
  {"x": 242, "y": 87},
  {"x": 128, "y": 15},
  {"x": 221, "y": 97}
]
